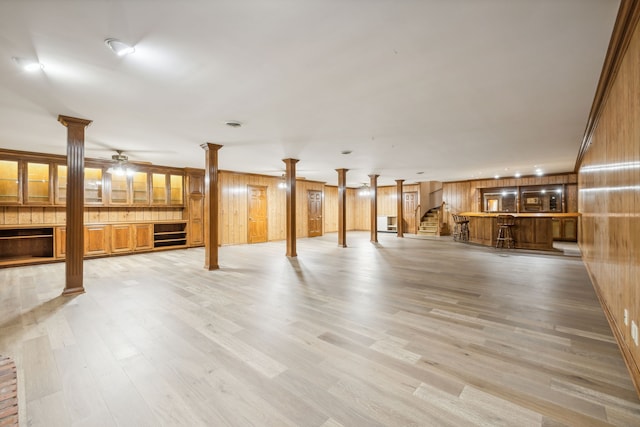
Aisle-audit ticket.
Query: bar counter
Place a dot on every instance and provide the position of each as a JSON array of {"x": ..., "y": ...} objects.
[{"x": 532, "y": 230}]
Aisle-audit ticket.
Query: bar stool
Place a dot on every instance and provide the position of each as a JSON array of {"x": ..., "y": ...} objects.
[
  {"x": 461, "y": 228},
  {"x": 505, "y": 231}
]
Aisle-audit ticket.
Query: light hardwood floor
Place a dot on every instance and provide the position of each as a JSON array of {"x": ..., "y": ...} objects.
[{"x": 405, "y": 332}]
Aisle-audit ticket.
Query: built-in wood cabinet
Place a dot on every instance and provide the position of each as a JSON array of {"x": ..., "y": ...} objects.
[
  {"x": 41, "y": 180},
  {"x": 195, "y": 206},
  {"x": 119, "y": 190},
  {"x": 38, "y": 244},
  {"x": 121, "y": 238},
  {"x": 93, "y": 186},
  {"x": 143, "y": 237},
  {"x": 158, "y": 189},
  {"x": 60, "y": 186},
  {"x": 95, "y": 240},
  {"x": 565, "y": 229},
  {"x": 60, "y": 242},
  {"x": 167, "y": 189},
  {"x": 140, "y": 188},
  {"x": 38, "y": 183},
  {"x": 10, "y": 182},
  {"x": 169, "y": 235},
  {"x": 26, "y": 244},
  {"x": 128, "y": 189}
]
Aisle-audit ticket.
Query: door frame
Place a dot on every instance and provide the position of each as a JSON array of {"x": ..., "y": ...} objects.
[
  {"x": 321, "y": 213},
  {"x": 414, "y": 230},
  {"x": 266, "y": 204}
]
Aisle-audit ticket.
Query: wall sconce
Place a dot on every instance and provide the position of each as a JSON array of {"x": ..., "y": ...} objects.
[{"x": 282, "y": 184}]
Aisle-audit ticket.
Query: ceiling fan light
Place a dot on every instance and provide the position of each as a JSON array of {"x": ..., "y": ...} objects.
[
  {"x": 119, "y": 48},
  {"x": 29, "y": 65}
]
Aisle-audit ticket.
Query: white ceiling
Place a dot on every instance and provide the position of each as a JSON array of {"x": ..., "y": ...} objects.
[{"x": 452, "y": 88}]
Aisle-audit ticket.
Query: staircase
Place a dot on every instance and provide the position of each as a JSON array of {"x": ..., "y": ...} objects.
[
  {"x": 429, "y": 223},
  {"x": 433, "y": 224}
]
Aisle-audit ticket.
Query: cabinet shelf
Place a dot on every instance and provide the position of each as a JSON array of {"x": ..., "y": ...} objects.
[
  {"x": 170, "y": 234},
  {"x": 18, "y": 245},
  {"x": 35, "y": 236}
]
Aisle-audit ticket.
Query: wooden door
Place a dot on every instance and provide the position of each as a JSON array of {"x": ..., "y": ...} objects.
[
  {"x": 409, "y": 211},
  {"x": 257, "y": 211},
  {"x": 196, "y": 220},
  {"x": 315, "y": 213}
]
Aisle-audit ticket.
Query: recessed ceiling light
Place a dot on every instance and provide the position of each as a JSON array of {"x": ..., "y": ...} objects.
[
  {"x": 120, "y": 48},
  {"x": 539, "y": 172},
  {"x": 346, "y": 152},
  {"x": 233, "y": 124},
  {"x": 496, "y": 176},
  {"x": 29, "y": 65},
  {"x": 518, "y": 175}
]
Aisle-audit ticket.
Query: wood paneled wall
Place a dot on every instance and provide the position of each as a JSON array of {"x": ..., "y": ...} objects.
[
  {"x": 358, "y": 210},
  {"x": 14, "y": 215},
  {"x": 302, "y": 205},
  {"x": 330, "y": 207},
  {"x": 466, "y": 196},
  {"x": 609, "y": 182},
  {"x": 387, "y": 198},
  {"x": 234, "y": 205}
]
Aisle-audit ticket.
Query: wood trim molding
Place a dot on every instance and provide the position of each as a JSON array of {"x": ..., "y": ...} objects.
[
  {"x": 74, "y": 258},
  {"x": 211, "y": 206},
  {"x": 632, "y": 366},
  {"x": 290, "y": 180},
  {"x": 626, "y": 22}
]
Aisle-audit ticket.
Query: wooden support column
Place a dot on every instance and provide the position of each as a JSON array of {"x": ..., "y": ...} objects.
[
  {"x": 290, "y": 181},
  {"x": 211, "y": 205},
  {"x": 400, "y": 213},
  {"x": 75, "y": 204},
  {"x": 374, "y": 207},
  {"x": 342, "y": 207}
]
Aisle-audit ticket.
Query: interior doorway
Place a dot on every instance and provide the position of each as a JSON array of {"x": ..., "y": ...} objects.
[
  {"x": 409, "y": 211},
  {"x": 315, "y": 212},
  {"x": 257, "y": 214}
]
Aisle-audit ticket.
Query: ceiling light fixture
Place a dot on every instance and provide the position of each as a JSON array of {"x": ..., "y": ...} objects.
[
  {"x": 518, "y": 175},
  {"x": 120, "y": 48},
  {"x": 233, "y": 124},
  {"x": 539, "y": 172},
  {"x": 120, "y": 166},
  {"x": 29, "y": 65}
]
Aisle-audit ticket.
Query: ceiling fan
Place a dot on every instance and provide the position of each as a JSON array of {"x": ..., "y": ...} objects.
[{"x": 120, "y": 165}]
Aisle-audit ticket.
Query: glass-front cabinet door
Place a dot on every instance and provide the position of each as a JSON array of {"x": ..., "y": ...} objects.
[
  {"x": 38, "y": 180},
  {"x": 9, "y": 182},
  {"x": 119, "y": 188},
  {"x": 159, "y": 188},
  {"x": 93, "y": 185},
  {"x": 61, "y": 184},
  {"x": 140, "y": 184},
  {"x": 177, "y": 189}
]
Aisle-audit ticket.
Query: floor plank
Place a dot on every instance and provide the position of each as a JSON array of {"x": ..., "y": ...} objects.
[{"x": 404, "y": 332}]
